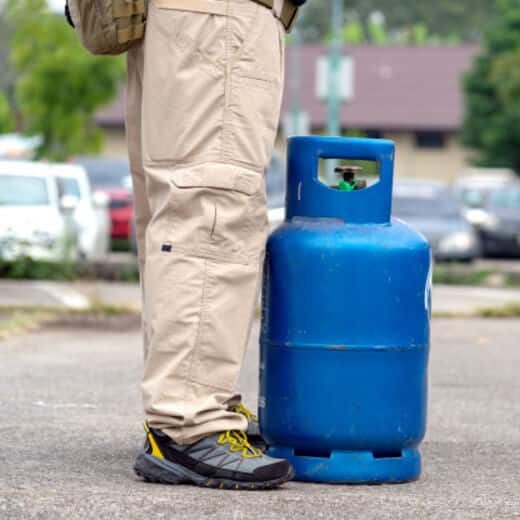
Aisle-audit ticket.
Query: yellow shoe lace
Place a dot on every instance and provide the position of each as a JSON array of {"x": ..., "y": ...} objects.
[
  {"x": 238, "y": 441},
  {"x": 240, "y": 408}
]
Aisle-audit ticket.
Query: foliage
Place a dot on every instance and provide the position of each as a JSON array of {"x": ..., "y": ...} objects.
[
  {"x": 5, "y": 35},
  {"x": 505, "y": 74},
  {"x": 6, "y": 121},
  {"x": 6, "y": 76},
  {"x": 406, "y": 21},
  {"x": 492, "y": 89},
  {"x": 29, "y": 269},
  {"x": 120, "y": 244},
  {"x": 376, "y": 33},
  {"x": 59, "y": 86},
  {"x": 26, "y": 268},
  {"x": 353, "y": 32}
]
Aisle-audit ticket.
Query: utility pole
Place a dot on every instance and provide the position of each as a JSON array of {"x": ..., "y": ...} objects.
[
  {"x": 333, "y": 106},
  {"x": 295, "y": 84}
]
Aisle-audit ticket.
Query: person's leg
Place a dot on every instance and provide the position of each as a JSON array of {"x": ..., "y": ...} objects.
[
  {"x": 135, "y": 69},
  {"x": 211, "y": 98}
]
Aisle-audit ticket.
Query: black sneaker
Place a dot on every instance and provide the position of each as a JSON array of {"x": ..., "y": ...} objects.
[{"x": 225, "y": 460}]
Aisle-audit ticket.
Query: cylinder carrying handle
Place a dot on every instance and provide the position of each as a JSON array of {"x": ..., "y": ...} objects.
[{"x": 308, "y": 197}]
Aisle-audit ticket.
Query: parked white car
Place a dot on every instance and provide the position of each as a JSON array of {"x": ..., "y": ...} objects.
[
  {"x": 33, "y": 220},
  {"x": 91, "y": 213}
]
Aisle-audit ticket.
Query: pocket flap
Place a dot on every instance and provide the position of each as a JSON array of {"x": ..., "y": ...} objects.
[{"x": 218, "y": 176}]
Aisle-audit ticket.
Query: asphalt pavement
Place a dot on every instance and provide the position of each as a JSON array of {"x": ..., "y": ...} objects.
[
  {"x": 71, "y": 425},
  {"x": 80, "y": 295}
]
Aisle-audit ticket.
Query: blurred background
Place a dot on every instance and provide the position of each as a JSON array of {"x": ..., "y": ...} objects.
[{"x": 441, "y": 79}]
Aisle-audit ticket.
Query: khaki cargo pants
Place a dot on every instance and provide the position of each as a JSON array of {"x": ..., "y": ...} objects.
[{"x": 204, "y": 93}]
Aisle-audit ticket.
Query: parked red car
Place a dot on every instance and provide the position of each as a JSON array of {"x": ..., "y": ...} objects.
[
  {"x": 121, "y": 211},
  {"x": 112, "y": 176}
]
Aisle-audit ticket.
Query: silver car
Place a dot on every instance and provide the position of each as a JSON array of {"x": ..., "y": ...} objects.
[
  {"x": 431, "y": 209},
  {"x": 498, "y": 221},
  {"x": 492, "y": 205}
]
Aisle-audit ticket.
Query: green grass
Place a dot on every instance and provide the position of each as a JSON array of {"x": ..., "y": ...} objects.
[
  {"x": 460, "y": 275},
  {"x": 120, "y": 244},
  {"x": 511, "y": 280},
  {"x": 17, "y": 319},
  {"x": 106, "y": 309},
  {"x": 93, "y": 308},
  {"x": 129, "y": 273},
  {"x": 28, "y": 269},
  {"x": 22, "y": 320},
  {"x": 507, "y": 311},
  {"x": 511, "y": 310}
]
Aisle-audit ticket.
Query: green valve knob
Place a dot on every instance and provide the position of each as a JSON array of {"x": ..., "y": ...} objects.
[
  {"x": 349, "y": 181},
  {"x": 346, "y": 186}
]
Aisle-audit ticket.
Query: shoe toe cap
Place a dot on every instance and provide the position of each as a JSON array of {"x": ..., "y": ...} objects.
[{"x": 275, "y": 471}]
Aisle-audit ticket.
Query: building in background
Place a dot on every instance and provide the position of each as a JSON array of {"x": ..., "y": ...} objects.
[
  {"x": 412, "y": 95},
  {"x": 112, "y": 120}
]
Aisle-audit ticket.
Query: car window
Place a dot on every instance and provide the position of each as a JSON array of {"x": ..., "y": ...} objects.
[
  {"x": 106, "y": 174},
  {"x": 472, "y": 197},
  {"x": 68, "y": 186},
  {"x": 23, "y": 190},
  {"x": 505, "y": 199}
]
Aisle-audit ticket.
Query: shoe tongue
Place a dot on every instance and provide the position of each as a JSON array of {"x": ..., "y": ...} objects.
[{"x": 238, "y": 436}]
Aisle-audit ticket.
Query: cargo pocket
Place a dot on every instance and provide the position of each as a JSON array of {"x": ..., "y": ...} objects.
[{"x": 218, "y": 212}]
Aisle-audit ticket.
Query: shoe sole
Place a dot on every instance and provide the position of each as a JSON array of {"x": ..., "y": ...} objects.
[{"x": 161, "y": 471}]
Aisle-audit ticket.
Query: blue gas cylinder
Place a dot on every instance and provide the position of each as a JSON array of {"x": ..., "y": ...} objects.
[{"x": 345, "y": 325}]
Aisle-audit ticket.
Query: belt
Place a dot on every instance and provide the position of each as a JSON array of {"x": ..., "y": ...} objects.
[{"x": 286, "y": 16}]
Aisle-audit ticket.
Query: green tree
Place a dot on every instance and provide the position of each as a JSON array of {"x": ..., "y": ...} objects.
[
  {"x": 59, "y": 86},
  {"x": 448, "y": 20},
  {"x": 7, "y": 101},
  {"x": 6, "y": 121},
  {"x": 505, "y": 75},
  {"x": 377, "y": 30},
  {"x": 353, "y": 32},
  {"x": 492, "y": 93}
]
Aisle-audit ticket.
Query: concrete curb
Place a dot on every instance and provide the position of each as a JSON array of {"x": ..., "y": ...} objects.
[{"x": 83, "y": 295}]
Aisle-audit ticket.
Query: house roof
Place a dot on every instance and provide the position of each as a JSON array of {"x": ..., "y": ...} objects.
[
  {"x": 113, "y": 114},
  {"x": 395, "y": 88}
]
